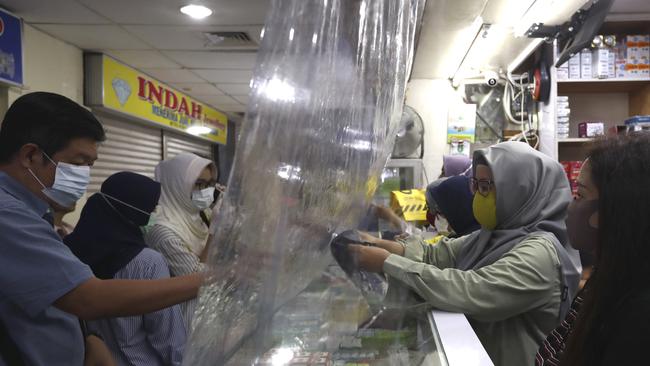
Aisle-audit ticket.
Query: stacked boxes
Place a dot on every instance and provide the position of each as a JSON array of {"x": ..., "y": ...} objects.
[
  {"x": 638, "y": 56},
  {"x": 563, "y": 114},
  {"x": 610, "y": 57},
  {"x": 572, "y": 170},
  {"x": 574, "y": 67},
  {"x": 586, "y": 64}
]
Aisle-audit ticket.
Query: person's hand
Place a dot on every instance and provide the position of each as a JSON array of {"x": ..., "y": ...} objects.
[
  {"x": 367, "y": 258},
  {"x": 402, "y": 236},
  {"x": 384, "y": 212},
  {"x": 97, "y": 354}
]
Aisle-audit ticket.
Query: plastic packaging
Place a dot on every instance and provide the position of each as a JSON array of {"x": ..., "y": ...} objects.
[{"x": 326, "y": 100}]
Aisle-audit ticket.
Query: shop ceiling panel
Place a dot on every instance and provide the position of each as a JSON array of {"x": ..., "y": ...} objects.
[
  {"x": 197, "y": 89},
  {"x": 94, "y": 37},
  {"x": 443, "y": 41},
  {"x": 225, "y": 12},
  {"x": 631, "y": 6},
  {"x": 53, "y": 11},
  {"x": 235, "y": 89},
  {"x": 143, "y": 58},
  {"x": 225, "y": 76},
  {"x": 213, "y": 59},
  {"x": 231, "y": 107},
  {"x": 190, "y": 37},
  {"x": 242, "y": 98},
  {"x": 173, "y": 75},
  {"x": 218, "y": 99}
]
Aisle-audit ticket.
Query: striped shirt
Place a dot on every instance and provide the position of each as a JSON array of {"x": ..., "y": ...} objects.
[
  {"x": 180, "y": 259},
  {"x": 154, "y": 339},
  {"x": 550, "y": 352}
]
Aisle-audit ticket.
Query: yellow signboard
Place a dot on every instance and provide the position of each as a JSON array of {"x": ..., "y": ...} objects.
[{"x": 128, "y": 91}]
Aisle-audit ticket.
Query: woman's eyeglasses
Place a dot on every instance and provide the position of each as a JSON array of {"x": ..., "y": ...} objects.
[{"x": 482, "y": 186}]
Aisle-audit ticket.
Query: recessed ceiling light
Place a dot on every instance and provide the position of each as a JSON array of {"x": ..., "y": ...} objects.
[{"x": 196, "y": 11}]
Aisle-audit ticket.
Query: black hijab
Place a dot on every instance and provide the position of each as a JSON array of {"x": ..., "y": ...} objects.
[
  {"x": 454, "y": 200},
  {"x": 108, "y": 234}
]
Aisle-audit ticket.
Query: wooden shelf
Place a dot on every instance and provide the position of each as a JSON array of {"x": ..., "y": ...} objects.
[
  {"x": 601, "y": 85},
  {"x": 575, "y": 140}
]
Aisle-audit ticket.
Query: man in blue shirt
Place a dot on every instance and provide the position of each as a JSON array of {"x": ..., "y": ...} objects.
[{"x": 47, "y": 142}]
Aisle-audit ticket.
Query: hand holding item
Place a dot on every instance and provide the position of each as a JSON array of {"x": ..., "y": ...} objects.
[{"x": 368, "y": 258}]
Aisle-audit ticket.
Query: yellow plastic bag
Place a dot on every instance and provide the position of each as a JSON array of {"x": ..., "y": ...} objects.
[{"x": 411, "y": 205}]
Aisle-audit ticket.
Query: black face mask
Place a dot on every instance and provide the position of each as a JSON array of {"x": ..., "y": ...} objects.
[{"x": 582, "y": 235}]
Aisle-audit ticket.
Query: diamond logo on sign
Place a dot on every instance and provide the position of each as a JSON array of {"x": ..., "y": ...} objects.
[{"x": 122, "y": 90}]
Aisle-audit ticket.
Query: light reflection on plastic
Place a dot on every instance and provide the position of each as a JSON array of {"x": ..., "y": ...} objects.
[
  {"x": 289, "y": 172},
  {"x": 314, "y": 38},
  {"x": 279, "y": 91},
  {"x": 291, "y": 34},
  {"x": 282, "y": 357},
  {"x": 362, "y": 145}
]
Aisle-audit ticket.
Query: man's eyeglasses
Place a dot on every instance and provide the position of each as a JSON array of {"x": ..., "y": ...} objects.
[{"x": 482, "y": 186}]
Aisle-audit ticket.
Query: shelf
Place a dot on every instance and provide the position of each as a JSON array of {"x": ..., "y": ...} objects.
[
  {"x": 575, "y": 140},
  {"x": 601, "y": 85}
]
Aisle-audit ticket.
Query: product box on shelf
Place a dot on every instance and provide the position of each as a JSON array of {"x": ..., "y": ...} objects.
[
  {"x": 591, "y": 129},
  {"x": 586, "y": 64},
  {"x": 574, "y": 67},
  {"x": 601, "y": 63},
  {"x": 563, "y": 71}
]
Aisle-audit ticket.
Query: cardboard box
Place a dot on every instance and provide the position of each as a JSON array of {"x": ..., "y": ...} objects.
[
  {"x": 563, "y": 71},
  {"x": 586, "y": 65},
  {"x": 611, "y": 67},
  {"x": 574, "y": 67},
  {"x": 591, "y": 129},
  {"x": 600, "y": 66}
]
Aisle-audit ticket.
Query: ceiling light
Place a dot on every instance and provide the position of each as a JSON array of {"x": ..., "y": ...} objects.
[
  {"x": 197, "y": 130},
  {"x": 196, "y": 11}
]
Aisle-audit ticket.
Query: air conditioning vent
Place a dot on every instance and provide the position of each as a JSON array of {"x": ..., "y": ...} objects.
[{"x": 228, "y": 39}]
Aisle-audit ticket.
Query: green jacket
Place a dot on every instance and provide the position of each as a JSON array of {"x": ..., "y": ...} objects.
[{"x": 512, "y": 304}]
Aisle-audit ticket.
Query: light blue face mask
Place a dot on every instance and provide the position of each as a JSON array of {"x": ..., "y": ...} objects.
[
  {"x": 70, "y": 183},
  {"x": 202, "y": 199}
]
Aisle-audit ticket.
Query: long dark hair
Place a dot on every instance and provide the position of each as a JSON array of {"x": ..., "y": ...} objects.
[{"x": 620, "y": 170}]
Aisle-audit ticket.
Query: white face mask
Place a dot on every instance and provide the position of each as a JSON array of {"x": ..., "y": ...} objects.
[
  {"x": 70, "y": 183},
  {"x": 203, "y": 198},
  {"x": 441, "y": 224}
]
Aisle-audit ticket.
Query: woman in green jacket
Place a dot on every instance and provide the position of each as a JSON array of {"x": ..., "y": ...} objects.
[{"x": 514, "y": 278}]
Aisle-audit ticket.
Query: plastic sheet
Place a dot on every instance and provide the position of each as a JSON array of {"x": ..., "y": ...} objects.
[{"x": 326, "y": 100}]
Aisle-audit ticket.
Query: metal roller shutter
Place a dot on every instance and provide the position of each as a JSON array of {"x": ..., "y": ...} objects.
[
  {"x": 128, "y": 147},
  {"x": 175, "y": 144}
]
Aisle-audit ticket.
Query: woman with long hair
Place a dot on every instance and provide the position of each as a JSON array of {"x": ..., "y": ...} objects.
[{"x": 609, "y": 320}]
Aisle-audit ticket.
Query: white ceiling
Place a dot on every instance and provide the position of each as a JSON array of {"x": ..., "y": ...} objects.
[
  {"x": 153, "y": 36},
  {"x": 449, "y": 30}
]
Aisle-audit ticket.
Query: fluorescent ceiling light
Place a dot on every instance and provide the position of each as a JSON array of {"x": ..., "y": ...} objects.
[
  {"x": 196, "y": 11},
  {"x": 198, "y": 130}
]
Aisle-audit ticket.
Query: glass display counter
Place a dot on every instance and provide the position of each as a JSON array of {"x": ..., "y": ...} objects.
[{"x": 331, "y": 323}]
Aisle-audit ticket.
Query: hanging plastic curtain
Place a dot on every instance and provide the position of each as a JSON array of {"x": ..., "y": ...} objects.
[{"x": 327, "y": 96}]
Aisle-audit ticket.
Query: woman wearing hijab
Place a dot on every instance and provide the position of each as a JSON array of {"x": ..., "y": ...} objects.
[
  {"x": 179, "y": 233},
  {"x": 453, "y": 199},
  {"x": 453, "y": 165},
  {"x": 108, "y": 238},
  {"x": 512, "y": 278},
  {"x": 609, "y": 319}
]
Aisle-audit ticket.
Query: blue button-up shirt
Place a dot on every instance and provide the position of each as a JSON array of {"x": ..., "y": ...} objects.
[{"x": 36, "y": 269}]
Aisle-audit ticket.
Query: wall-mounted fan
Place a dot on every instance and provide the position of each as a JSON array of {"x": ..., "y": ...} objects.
[{"x": 409, "y": 142}]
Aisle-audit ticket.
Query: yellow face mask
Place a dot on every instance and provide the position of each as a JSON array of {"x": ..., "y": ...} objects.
[{"x": 485, "y": 210}]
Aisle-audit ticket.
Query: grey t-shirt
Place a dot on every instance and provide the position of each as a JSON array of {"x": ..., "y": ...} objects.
[{"x": 36, "y": 269}]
